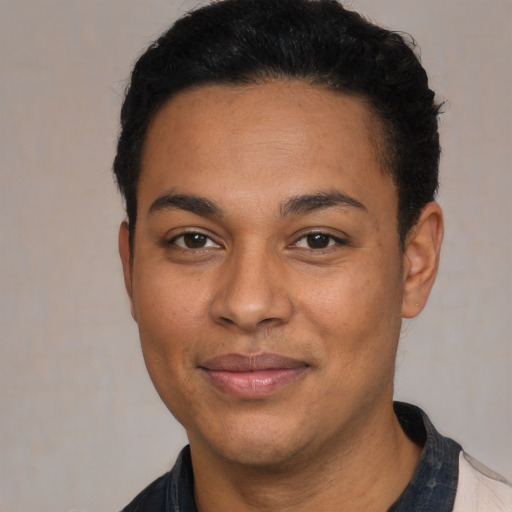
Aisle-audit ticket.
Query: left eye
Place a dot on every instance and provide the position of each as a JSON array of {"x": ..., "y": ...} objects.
[
  {"x": 316, "y": 241},
  {"x": 193, "y": 241}
]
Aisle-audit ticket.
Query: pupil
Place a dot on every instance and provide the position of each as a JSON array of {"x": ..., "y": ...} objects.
[
  {"x": 194, "y": 240},
  {"x": 318, "y": 241}
]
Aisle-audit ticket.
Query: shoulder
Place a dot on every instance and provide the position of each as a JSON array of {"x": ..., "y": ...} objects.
[
  {"x": 479, "y": 489},
  {"x": 152, "y": 498}
]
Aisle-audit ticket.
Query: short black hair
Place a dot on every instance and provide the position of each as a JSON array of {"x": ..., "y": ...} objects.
[{"x": 240, "y": 42}]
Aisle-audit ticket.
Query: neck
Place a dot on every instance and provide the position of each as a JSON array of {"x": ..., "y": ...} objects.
[{"x": 366, "y": 473}]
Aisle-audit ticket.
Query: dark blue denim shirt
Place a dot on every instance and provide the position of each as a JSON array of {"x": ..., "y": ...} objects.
[{"x": 432, "y": 488}]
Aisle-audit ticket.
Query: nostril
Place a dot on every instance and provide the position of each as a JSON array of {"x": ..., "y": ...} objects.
[
  {"x": 250, "y": 295},
  {"x": 248, "y": 324},
  {"x": 226, "y": 320},
  {"x": 267, "y": 321}
]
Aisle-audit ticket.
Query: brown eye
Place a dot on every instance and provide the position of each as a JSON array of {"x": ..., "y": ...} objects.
[
  {"x": 318, "y": 241},
  {"x": 193, "y": 241}
]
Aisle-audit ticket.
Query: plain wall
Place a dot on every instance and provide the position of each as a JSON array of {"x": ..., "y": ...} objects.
[{"x": 81, "y": 425}]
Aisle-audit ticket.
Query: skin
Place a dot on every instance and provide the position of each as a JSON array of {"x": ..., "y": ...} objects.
[{"x": 251, "y": 282}]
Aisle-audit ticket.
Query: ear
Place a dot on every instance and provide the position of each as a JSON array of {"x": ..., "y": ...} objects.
[
  {"x": 126, "y": 260},
  {"x": 421, "y": 259}
]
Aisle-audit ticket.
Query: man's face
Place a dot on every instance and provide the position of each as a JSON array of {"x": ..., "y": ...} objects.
[{"x": 267, "y": 277}]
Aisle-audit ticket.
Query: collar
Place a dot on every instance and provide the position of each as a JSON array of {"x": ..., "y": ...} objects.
[
  {"x": 180, "y": 492},
  {"x": 431, "y": 489},
  {"x": 434, "y": 484}
]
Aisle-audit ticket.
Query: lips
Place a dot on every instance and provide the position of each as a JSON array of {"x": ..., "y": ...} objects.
[{"x": 253, "y": 376}]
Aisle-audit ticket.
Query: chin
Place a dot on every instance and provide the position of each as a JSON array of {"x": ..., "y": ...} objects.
[
  {"x": 259, "y": 444},
  {"x": 259, "y": 454}
]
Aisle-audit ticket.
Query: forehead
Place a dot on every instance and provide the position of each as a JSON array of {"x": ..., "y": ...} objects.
[{"x": 269, "y": 139}]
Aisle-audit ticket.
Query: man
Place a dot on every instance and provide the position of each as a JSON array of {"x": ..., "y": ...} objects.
[{"x": 279, "y": 160}]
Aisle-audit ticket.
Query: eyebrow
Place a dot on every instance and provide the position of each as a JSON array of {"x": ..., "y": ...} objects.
[
  {"x": 297, "y": 205},
  {"x": 307, "y": 203},
  {"x": 190, "y": 203}
]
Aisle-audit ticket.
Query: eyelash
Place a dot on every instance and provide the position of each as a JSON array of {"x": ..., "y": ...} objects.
[
  {"x": 331, "y": 240},
  {"x": 208, "y": 239}
]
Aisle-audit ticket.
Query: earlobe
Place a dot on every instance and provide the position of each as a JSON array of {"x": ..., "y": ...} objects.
[
  {"x": 421, "y": 259},
  {"x": 126, "y": 260}
]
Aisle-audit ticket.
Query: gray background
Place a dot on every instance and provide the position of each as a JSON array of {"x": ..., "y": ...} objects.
[{"x": 81, "y": 426}]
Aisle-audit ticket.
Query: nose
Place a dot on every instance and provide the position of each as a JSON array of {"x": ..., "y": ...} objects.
[{"x": 252, "y": 292}]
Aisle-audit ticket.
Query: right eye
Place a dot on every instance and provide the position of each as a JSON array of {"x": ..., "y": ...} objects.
[{"x": 193, "y": 240}]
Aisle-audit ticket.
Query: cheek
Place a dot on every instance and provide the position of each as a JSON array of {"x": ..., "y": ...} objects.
[
  {"x": 357, "y": 311},
  {"x": 167, "y": 303},
  {"x": 169, "y": 315}
]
